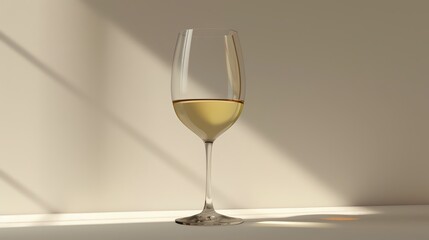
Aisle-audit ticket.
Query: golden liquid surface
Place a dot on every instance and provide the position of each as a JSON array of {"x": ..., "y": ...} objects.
[{"x": 208, "y": 118}]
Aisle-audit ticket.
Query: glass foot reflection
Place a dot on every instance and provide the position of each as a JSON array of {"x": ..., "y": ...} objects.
[{"x": 209, "y": 218}]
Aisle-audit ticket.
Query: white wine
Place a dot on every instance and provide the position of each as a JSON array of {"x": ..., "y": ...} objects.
[{"x": 208, "y": 118}]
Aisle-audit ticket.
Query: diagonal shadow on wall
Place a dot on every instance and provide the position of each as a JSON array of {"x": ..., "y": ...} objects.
[
  {"x": 305, "y": 95},
  {"x": 27, "y": 192}
]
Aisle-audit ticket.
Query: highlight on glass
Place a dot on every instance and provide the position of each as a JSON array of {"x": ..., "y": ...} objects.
[{"x": 207, "y": 90}]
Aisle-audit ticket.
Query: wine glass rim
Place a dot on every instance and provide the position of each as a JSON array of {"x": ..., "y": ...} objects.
[{"x": 209, "y": 31}]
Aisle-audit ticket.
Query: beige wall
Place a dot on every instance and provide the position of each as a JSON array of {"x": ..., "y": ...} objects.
[{"x": 336, "y": 110}]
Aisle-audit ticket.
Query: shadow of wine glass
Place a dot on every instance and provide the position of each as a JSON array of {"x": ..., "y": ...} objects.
[{"x": 374, "y": 217}]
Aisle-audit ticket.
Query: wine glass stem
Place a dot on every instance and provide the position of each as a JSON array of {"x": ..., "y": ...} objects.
[{"x": 208, "y": 205}]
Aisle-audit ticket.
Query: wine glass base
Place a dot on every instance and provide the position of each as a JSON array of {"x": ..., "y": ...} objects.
[{"x": 209, "y": 218}]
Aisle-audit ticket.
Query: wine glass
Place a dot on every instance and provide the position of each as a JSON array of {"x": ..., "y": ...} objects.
[{"x": 207, "y": 89}]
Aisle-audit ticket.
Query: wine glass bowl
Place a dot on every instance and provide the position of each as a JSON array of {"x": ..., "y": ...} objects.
[
  {"x": 207, "y": 89},
  {"x": 208, "y": 118}
]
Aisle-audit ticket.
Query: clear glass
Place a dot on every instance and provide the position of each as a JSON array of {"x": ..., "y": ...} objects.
[{"x": 207, "y": 89}]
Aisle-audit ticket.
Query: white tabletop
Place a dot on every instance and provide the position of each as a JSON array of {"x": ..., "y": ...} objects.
[{"x": 378, "y": 223}]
